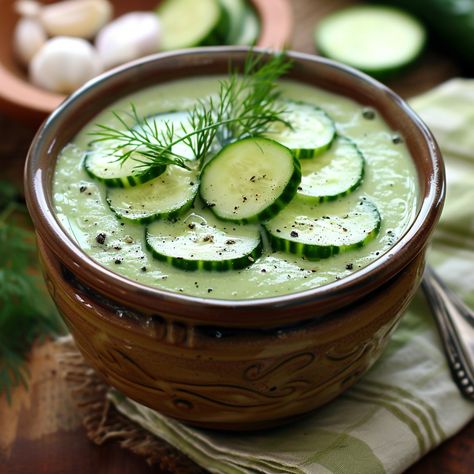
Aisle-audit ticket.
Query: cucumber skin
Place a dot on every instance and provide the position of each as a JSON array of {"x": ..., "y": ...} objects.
[
  {"x": 127, "y": 181},
  {"x": 316, "y": 252},
  {"x": 453, "y": 27},
  {"x": 175, "y": 213},
  {"x": 273, "y": 209},
  {"x": 209, "y": 265}
]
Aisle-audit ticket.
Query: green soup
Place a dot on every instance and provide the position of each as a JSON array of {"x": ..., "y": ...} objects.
[{"x": 390, "y": 182}]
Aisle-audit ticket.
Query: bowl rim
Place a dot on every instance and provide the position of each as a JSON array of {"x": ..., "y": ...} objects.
[
  {"x": 292, "y": 306},
  {"x": 34, "y": 103}
]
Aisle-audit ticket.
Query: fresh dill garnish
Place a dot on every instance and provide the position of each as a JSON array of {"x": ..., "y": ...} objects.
[
  {"x": 26, "y": 311},
  {"x": 246, "y": 105}
]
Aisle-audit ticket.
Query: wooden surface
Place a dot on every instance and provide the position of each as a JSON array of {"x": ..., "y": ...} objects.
[{"x": 41, "y": 431}]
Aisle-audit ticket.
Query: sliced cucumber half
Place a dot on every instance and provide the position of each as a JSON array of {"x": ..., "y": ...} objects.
[
  {"x": 250, "y": 180},
  {"x": 188, "y": 23},
  {"x": 312, "y": 130},
  {"x": 200, "y": 241},
  {"x": 335, "y": 173},
  {"x": 249, "y": 28},
  {"x": 165, "y": 197},
  {"x": 319, "y": 231},
  {"x": 236, "y": 11},
  {"x": 376, "y": 39}
]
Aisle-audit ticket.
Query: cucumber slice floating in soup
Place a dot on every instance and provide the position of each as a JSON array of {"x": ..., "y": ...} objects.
[
  {"x": 165, "y": 197},
  {"x": 103, "y": 165},
  {"x": 376, "y": 39},
  {"x": 250, "y": 180},
  {"x": 319, "y": 231},
  {"x": 335, "y": 173},
  {"x": 312, "y": 131},
  {"x": 188, "y": 23},
  {"x": 200, "y": 241}
]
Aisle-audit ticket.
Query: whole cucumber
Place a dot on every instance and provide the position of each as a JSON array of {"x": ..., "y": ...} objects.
[{"x": 450, "y": 21}]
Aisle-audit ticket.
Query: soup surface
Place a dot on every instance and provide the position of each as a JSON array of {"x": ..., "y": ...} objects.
[{"x": 390, "y": 182}]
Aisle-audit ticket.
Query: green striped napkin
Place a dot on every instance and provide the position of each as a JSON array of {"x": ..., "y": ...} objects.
[{"x": 407, "y": 404}]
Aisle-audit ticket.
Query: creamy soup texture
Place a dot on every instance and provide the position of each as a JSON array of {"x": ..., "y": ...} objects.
[{"x": 390, "y": 182}]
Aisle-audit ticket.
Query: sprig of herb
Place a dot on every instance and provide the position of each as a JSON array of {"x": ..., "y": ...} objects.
[
  {"x": 246, "y": 105},
  {"x": 26, "y": 312}
]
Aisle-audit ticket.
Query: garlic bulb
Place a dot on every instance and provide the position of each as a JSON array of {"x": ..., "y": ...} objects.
[
  {"x": 28, "y": 38},
  {"x": 81, "y": 18},
  {"x": 129, "y": 37},
  {"x": 63, "y": 64}
]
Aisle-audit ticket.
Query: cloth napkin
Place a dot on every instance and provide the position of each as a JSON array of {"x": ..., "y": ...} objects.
[{"x": 407, "y": 404}]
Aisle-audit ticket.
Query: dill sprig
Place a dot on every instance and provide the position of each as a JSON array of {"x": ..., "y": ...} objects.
[
  {"x": 26, "y": 311},
  {"x": 246, "y": 105}
]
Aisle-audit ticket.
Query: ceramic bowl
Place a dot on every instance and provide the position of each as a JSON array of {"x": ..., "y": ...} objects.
[
  {"x": 20, "y": 98},
  {"x": 219, "y": 363}
]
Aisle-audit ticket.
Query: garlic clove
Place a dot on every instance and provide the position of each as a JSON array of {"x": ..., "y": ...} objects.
[
  {"x": 28, "y": 8},
  {"x": 63, "y": 64},
  {"x": 129, "y": 37},
  {"x": 81, "y": 18},
  {"x": 28, "y": 38}
]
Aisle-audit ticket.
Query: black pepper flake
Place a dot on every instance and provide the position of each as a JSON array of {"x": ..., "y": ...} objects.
[
  {"x": 349, "y": 266},
  {"x": 252, "y": 179},
  {"x": 263, "y": 270},
  {"x": 368, "y": 114},
  {"x": 82, "y": 189},
  {"x": 209, "y": 290},
  {"x": 191, "y": 226},
  {"x": 278, "y": 230},
  {"x": 117, "y": 261},
  {"x": 100, "y": 239},
  {"x": 396, "y": 139},
  {"x": 143, "y": 269},
  {"x": 294, "y": 233},
  {"x": 117, "y": 247},
  {"x": 230, "y": 242}
]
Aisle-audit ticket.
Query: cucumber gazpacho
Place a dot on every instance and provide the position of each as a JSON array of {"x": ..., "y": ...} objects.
[{"x": 237, "y": 187}]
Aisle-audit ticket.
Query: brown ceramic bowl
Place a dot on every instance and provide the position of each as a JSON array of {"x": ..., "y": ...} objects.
[
  {"x": 220, "y": 363},
  {"x": 20, "y": 98}
]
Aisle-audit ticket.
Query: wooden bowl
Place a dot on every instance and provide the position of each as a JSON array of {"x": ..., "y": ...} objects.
[
  {"x": 20, "y": 98},
  {"x": 219, "y": 363}
]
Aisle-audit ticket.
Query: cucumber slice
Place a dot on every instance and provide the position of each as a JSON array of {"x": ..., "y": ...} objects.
[
  {"x": 188, "y": 23},
  {"x": 335, "y": 173},
  {"x": 200, "y": 241},
  {"x": 249, "y": 28},
  {"x": 101, "y": 164},
  {"x": 319, "y": 231},
  {"x": 250, "y": 180},
  {"x": 378, "y": 40},
  {"x": 236, "y": 13},
  {"x": 312, "y": 129},
  {"x": 165, "y": 197}
]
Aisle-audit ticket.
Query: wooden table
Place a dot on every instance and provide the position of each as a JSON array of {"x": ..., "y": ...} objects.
[{"x": 41, "y": 431}]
